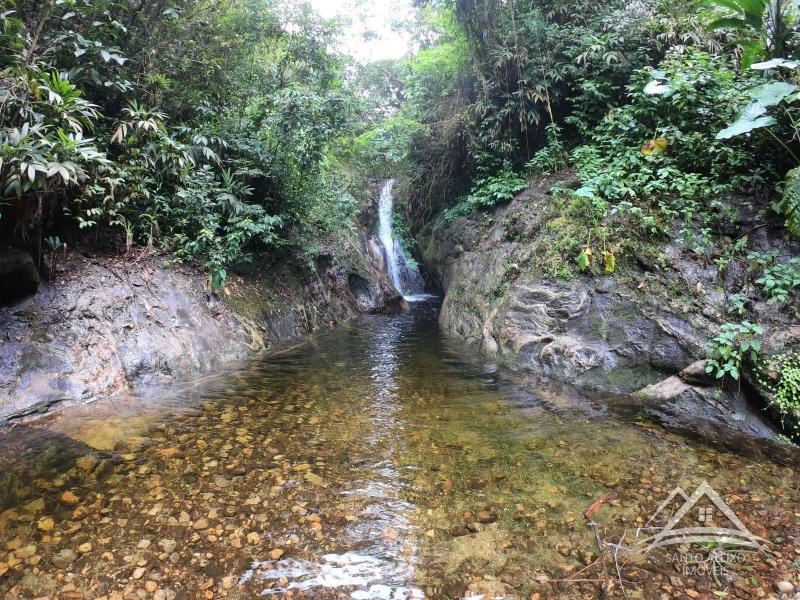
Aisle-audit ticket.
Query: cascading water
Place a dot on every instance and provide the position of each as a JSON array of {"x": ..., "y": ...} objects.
[{"x": 405, "y": 278}]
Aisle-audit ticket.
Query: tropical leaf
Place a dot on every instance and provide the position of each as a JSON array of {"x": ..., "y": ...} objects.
[
  {"x": 585, "y": 258},
  {"x": 751, "y": 118},
  {"x": 772, "y": 93},
  {"x": 775, "y": 63},
  {"x": 609, "y": 261}
]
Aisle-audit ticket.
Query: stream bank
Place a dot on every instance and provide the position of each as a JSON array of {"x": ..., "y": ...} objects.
[
  {"x": 642, "y": 331},
  {"x": 106, "y": 325}
]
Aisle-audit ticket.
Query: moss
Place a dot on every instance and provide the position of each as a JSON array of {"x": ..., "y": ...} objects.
[{"x": 631, "y": 379}]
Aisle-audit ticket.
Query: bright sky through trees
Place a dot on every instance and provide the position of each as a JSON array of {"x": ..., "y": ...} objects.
[{"x": 370, "y": 33}]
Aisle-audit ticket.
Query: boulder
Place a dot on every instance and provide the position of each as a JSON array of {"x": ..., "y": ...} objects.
[
  {"x": 677, "y": 403},
  {"x": 696, "y": 374},
  {"x": 18, "y": 275}
]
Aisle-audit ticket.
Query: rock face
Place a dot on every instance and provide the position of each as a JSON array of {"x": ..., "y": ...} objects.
[
  {"x": 18, "y": 275},
  {"x": 615, "y": 334},
  {"x": 106, "y": 327}
]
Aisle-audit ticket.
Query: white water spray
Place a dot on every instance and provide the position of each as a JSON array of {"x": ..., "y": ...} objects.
[{"x": 406, "y": 279}]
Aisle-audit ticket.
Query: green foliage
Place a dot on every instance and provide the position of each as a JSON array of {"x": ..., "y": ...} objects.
[
  {"x": 209, "y": 129},
  {"x": 778, "y": 280},
  {"x": 766, "y": 25},
  {"x": 488, "y": 192},
  {"x": 779, "y": 375},
  {"x": 735, "y": 343},
  {"x": 551, "y": 157},
  {"x": 790, "y": 201}
]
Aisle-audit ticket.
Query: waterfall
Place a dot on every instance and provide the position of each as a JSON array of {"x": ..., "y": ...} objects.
[{"x": 405, "y": 278}]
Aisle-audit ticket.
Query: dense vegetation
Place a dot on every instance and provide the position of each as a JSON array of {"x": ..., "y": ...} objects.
[
  {"x": 211, "y": 129},
  {"x": 668, "y": 120},
  {"x": 218, "y": 131}
]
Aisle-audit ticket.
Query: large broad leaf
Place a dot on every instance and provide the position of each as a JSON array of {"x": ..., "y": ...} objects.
[
  {"x": 750, "y": 119},
  {"x": 775, "y": 63},
  {"x": 772, "y": 93}
]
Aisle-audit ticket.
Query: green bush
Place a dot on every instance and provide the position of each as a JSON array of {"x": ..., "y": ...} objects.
[{"x": 780, "y": 376}]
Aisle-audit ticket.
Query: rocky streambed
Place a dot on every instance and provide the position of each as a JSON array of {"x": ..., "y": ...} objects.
[{"x": 378, "y": 460}]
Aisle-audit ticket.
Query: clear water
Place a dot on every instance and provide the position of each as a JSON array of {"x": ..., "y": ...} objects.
[{"x": 378, "y": 460}]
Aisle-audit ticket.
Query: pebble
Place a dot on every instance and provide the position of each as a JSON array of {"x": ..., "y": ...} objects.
[
  {"x": 150, "y": 586},
  {"x": 160, "y": 595},
  {"x": 3, "y": 568},
  {"x": 35, "y": 506},
  {"x": 64, "y": 558},
  {"x": 138, "y": 573},
  {"x": 484, "y": 516},
  {"x": 221, "y": 482},
  {"x": 253, "y": 538},
  {"x": 85, "y": 548},
  {"x": 69, "y": 498},
  {"x": 168, "y": 545},
  {"x": 86, "y": 463},
  {"x": 784, "y": 587},
  {"x": 276, "y": 553},
  {"x": 200, "y": 524},
  {"x": 25, "y": 552},
  {"x": 46, "y": 524}
]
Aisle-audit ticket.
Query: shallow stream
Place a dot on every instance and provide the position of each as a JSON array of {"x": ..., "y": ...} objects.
[{"x": 378, "y": 460}]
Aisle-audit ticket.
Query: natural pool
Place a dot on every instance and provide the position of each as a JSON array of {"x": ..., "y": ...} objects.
[{"x": 378, "y": 460}]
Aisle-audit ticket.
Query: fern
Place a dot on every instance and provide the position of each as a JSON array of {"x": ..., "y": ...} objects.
[{"x": 790, "y": 203}]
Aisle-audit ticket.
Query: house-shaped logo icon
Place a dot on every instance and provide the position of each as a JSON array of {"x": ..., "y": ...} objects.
[{"x": 670, "y": 534}]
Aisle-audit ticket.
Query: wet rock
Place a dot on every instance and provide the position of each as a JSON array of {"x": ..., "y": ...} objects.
[
  {"x": 86, "y": 463},
  {"x": 122, "y": 327},
  {"x": 35, "y": 506},
  {"x": 459, "y": 530},
  {"x": 695, "y": 374},
  {"x": 85, "y": 548},
  {"x": 18, "y": 275},
  {"x": 678, "y": 403},
  {"x": 485, "y": 516},
  {"x": 138, "y": 573},
  {"x": 276, "y": 554},
  {"x": 784, "y": 587},
  {"x": 221, "y": 482},
  {"x": 69, "y": 498},
  {"x": 25, "y": 552},
  {"x": 253, "y": 538},
  {"x": 65, "y": 558},
  {"x": 45, "y": 524},
  {"x": 3, "y": 568}
]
